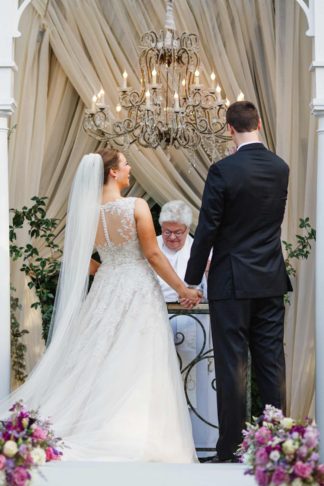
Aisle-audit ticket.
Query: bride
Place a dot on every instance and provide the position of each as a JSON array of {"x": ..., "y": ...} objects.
[{"x": 110, "y": 379}]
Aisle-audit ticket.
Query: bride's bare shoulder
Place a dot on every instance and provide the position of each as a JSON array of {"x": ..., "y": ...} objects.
[
  {"x": 141, "y": 208},
  {"x": 141, "y": 204}
]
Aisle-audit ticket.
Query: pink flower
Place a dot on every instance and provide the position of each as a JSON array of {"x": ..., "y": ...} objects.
[
  {"x": 303, "y": 470},
  {"x": 39, "y": 434},
  {"x": 245, "y": 444},
  {"x": 261, "y": 476},
  {"x": 263, "y": 435},
  {"x": 302, "y": 451},
  {"x": 51, "y": 455},
  {"x": 261, "y": 457},
  {"x": 310, "y": 437},
  {"x": 280, "y": 476},
  {"x": 19, "y": 476},
  {"x": 319, "y": 474},
  {"x": 2, "y": 461}
]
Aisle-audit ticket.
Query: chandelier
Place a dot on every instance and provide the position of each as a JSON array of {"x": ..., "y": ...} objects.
[{"x": 172, "y": 107}]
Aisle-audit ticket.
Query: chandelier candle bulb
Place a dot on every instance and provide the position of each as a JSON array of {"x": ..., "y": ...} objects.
[
  {"x": 118, "y": 108},
  {"x": 240, "y": 96},
  {"x": 125, "y": 76},
  {"x": 101, "y": 100},
  {"x": 197, "y": 77},
  {"x": 213, "y": 77},
  {"x": 176, "y": 102},
  {"x": 227, "y": 102},
  {"x": 218, "y": 93},
  {"x": 93, "y": 103},
  {"x": 183, "y": 84},
  {"x": 148, "y": 99},
  {"x": 101, "y": 97},
  {"x": 154, "y": 73}
]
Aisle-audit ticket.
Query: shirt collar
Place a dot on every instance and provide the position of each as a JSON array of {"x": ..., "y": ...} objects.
[{"x": 248, "y": 143}]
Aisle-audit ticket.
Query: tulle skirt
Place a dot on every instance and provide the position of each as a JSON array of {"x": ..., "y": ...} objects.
[{"x": 111, "y": 382}]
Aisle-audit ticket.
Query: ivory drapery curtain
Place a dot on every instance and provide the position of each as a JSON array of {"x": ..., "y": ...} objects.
[{"x": 69, "y": 49}]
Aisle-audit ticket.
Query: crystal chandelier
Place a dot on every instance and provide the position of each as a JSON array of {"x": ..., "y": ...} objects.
[{"x": 172, "y": 108}]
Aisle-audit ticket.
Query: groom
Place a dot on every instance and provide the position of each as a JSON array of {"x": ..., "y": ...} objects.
[{"x": 242, "y": 210}]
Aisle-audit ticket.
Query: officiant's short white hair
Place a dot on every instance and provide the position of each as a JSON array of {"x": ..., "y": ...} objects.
[{"x": 176, "y": 212}]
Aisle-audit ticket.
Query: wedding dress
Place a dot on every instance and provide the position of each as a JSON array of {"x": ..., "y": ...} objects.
[{"x": 113, "y": 390}]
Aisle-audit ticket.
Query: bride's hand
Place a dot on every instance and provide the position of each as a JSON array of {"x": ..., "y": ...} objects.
[{"x": 189, "y": 298}]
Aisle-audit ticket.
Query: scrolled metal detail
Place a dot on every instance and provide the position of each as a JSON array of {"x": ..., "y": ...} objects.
[{"x": 201, "y": 355}]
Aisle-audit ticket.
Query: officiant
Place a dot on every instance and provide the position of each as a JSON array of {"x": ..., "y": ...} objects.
[{"x": 175, "y": 242}]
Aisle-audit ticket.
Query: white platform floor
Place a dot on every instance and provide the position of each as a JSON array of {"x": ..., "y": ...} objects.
[{"x": 140, "y": 474}]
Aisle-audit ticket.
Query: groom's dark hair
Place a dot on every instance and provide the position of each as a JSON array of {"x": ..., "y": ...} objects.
[{"x": 243, "y": 116}]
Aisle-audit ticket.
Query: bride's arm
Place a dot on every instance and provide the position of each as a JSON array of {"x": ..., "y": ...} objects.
[
  {"x": 93, "y": 267},
  {"x": 151, "y": 250}
]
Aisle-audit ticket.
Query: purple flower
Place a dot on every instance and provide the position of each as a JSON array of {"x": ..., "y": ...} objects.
[
  {"x": 300, "y": 429},
  {"x": 10, "y": 464},
  {"x": 262, "y": 477},
  {"x": 314, "y": 457},
  {"x": 261, "y": 456},
  {"x": 19, "y": 476},
  {"x": 280, "y": 476},
  {"x": 302, "y": 469}
]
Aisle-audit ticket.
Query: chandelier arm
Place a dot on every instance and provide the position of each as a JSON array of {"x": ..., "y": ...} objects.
[{"x": 171, "y": 107}]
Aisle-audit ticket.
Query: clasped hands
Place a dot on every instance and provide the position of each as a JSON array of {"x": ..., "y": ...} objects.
[{"x": 189, "y": 298}]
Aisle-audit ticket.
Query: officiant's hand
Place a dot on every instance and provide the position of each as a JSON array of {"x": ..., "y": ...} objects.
[{"x": 189, "y": 298}]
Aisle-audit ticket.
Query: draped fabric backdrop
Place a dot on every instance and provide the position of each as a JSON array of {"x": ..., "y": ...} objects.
[{"x": 70, "y": 48}]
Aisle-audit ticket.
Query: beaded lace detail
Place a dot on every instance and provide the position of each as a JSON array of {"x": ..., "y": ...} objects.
[{"x": 117, "y": 242}]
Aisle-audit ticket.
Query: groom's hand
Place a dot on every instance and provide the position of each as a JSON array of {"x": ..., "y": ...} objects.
[{"x": 191, "y": 298}]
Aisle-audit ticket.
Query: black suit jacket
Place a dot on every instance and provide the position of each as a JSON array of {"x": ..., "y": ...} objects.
[{"x": 242, "y": 210}]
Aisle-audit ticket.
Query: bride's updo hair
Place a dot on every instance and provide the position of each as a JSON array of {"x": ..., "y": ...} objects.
[{"x": 111, "y": 159}]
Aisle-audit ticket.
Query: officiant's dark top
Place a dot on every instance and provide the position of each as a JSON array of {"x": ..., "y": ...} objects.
[{"x": 242, "y": 210}]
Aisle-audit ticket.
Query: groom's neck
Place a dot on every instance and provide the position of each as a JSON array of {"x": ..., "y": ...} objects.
[{"x": 246, "y": 137}]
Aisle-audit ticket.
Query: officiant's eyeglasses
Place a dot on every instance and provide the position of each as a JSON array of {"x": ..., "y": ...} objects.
[{"x": 177, "y": 233}]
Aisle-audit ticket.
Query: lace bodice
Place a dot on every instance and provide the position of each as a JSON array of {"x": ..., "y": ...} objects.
[{"x": 117, "y": 241}]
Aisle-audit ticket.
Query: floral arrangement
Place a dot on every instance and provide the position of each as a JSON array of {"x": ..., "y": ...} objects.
[
  {"x": 26, "y": 442},
  {"x": 280, "y": 451}
]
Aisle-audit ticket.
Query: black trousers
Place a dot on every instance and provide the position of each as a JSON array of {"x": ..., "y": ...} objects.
[{"x": 236, "y": 325}]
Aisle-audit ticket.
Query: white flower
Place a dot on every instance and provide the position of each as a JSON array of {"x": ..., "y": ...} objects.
[
  {"x": 2, "y": 478},
  {"x": 38, "y": 455},
  {"x": 272, "y": 413},
  {"x": 10, "y": 448},
  {"x": 248, "y": 458},
  {"x": 289, "y": 446},
  {"x": 275, "y": 456},
  {"x": 287, "y": 423},
  {"x": 297, "y": 482}
]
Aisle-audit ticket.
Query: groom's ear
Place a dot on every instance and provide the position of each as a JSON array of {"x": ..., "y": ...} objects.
[
  {"x": 230, "y": 129},
  {"x": 259, "y": 124}
]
